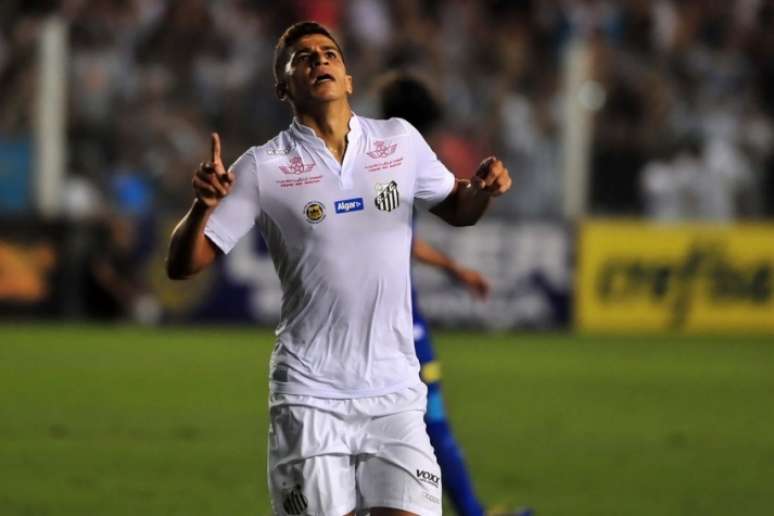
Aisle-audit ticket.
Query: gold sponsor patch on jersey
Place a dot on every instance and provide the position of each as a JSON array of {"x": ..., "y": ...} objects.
[{"x": 314, "y": 211}]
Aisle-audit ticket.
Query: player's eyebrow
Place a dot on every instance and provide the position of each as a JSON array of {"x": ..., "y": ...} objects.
[
  {"x": 295, "y": 53},
  {"x": 309, "y": 49}
]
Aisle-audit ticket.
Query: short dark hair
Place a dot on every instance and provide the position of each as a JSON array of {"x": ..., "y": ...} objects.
[
  {"x": 289, "y": 38},
  {"x": 408, "y": 97}
]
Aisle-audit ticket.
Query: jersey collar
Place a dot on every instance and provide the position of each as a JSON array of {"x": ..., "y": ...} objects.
[{"x": 307, "y": 136}]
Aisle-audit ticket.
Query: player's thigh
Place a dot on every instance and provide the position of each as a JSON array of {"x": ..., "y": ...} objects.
[
  {"x": 389, "y": 489},
  {"x": 323, "y": 484},
  {"x": 308, "y": 473},
  {"x": 403, "y": 474}
]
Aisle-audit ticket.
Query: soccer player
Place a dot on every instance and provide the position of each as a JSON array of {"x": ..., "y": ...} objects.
[
  {"x": 456, "y": 480},
  {"x": 405, "y": 96},
  {"x": 333, "y": 197}
]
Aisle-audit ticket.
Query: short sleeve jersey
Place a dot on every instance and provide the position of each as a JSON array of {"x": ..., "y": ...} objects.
[{"x": 339, "y": 235}]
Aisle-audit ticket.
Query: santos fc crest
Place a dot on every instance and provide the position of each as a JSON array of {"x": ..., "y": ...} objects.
[
  {"x": 295, "y": 502},
  {"x": 387, "y": 196}
]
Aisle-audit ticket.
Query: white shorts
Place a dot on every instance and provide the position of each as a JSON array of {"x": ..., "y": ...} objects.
[{"x": 332, "y": 456}]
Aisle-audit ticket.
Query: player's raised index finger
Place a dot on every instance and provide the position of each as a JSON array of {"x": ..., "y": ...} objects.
[{"x": 215, "y": 147}]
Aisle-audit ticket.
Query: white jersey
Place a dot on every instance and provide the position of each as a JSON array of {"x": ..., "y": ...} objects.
[{"x": 339, "y": 235}]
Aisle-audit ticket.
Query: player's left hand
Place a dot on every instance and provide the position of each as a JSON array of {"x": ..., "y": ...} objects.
[
  {"x": 474, "y": 281},
  {"x": 211, "y": 181},
  {"x": 492, "y": 177}
]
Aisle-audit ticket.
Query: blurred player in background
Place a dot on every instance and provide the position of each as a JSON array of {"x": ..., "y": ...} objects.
[
  {"x": 333, "y": 196},
  {"x": 407, "y": 97}
]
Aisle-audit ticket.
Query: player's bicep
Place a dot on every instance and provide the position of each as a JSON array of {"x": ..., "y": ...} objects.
[
  {"x": 446, "y": 209},
  {"x": 205, "y": 253},
  {"x": 211, "y": 250},
  {"x": 433, "y": 181},
  {"x": 435, "y": 186}
]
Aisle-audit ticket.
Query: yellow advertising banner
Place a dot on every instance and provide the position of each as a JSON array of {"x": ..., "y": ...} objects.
[{"x": 638, "y": 276}]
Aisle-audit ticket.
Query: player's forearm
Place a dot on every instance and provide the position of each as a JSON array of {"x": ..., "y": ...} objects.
[
  {"x": 189, "y": 250},
  {"x": 427, "y": 254},
  {"x": 464, "y": 206}
]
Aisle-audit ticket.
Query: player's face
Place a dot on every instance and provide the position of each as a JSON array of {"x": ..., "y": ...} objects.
[{"x": 315, "y": 72}]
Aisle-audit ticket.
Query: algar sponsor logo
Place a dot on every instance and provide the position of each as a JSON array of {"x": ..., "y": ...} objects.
[
  {"x": 705, "y": 271},
  {"x": 349, "y": 205}
]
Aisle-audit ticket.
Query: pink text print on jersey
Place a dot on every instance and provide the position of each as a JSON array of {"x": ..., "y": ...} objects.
[
  {"x": 382, "y": 150},
  {"x": 296, "y": 167}
]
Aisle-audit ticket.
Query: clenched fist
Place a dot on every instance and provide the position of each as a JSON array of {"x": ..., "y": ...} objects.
[
  {"x": 211, "y": 181},
  {"x": 492, "y": 177}
]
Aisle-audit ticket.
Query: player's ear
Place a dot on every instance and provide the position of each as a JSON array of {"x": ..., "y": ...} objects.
[
  {"x": 281, "y": 90},
  {"x": 349, "y": 84}
]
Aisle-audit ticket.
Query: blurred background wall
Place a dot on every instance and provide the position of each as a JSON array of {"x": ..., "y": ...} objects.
[{"x": 640, "y": 135}]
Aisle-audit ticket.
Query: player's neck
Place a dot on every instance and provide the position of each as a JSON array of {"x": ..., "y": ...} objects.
[{"x": 330, "y": 122}]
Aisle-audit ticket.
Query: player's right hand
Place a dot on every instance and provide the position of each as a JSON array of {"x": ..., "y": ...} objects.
[{"x": 211, "y": 181}]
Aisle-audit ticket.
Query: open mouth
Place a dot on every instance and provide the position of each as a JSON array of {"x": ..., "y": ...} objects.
[{"x": 323, "y": 78}]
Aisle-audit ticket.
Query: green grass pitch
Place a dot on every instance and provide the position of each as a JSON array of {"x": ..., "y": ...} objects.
[{"x": 121, "y": 421}]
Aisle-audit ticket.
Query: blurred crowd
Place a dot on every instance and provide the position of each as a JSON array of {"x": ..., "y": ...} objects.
[
  {"x": 682, "y": 91},
  {"x": 681, "y": 94}
]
